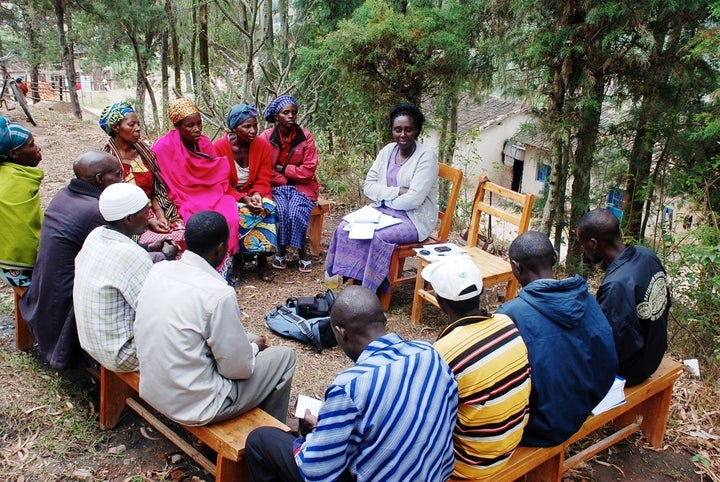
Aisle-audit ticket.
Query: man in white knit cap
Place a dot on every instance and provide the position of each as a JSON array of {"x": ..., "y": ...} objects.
[{"x": 109, "y": 272}]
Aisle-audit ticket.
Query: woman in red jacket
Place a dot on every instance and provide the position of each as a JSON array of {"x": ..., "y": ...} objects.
[
  {"x": 295, "y": 186},
  {"x": 250, "y": 170}
]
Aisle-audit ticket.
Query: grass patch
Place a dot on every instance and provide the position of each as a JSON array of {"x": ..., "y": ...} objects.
[{"x": 46, "y": 417}]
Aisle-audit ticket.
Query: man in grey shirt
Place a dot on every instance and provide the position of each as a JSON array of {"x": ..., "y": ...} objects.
[{"x": 197, "y": 364}]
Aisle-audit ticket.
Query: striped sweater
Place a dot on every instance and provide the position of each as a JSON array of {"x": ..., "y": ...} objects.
[{"x": 490, "y": 363}]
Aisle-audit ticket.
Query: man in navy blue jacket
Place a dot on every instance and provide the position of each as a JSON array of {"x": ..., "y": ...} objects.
[
  {"x": 634, "y": 295},
  {"x": 569, "y": 341}
]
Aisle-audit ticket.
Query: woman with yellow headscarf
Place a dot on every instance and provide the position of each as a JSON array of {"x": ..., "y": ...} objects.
[{"x": 197, "y": 179}]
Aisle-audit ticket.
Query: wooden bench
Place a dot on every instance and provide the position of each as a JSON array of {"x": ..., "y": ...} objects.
[
  {"x": 646, "y": 409},
  {"x": 315, "y": 226},
  {"x": 226, "y": 438},
  {"x": 24, "y": 338}
]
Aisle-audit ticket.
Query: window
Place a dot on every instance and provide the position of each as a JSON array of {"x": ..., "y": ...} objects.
[{"x": 543, "y": 172}]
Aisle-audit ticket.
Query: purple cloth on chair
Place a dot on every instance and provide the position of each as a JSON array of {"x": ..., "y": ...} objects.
[{"x": 368, "y": 260}]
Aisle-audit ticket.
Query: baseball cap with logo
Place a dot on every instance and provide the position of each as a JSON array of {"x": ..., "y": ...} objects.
[{"x": 451, "y": 278}]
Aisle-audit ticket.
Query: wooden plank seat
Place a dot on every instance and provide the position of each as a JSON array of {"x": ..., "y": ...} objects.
[
  {"x": 24, "y": 338},
  {"x": 226, "y": 438},
  {"x": 646, "y": 409},
  {"x": 315, "y": 226}
]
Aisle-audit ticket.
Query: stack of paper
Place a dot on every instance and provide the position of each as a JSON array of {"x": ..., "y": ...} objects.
[
  {"x": 365, "y": 221},
  {"x": 615, "y": 397}
]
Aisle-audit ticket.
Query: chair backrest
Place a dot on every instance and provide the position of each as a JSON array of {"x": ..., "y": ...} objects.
[
  {"x": 497, "y": 209},
  {"x": 453, "y": 176}
]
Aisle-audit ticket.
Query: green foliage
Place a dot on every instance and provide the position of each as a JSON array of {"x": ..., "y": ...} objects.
[{"x": 694, "y": 266}]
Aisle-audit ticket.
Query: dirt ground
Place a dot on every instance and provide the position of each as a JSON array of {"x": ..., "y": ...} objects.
[{"x": 692, "y": 438}]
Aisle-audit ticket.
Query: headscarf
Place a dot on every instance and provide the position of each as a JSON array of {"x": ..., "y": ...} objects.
[
  {"x": 277, "y": 105},
  {"x": 120, "y": 200},
  {"x": 180, "y": 109},
  {"x": 240, "y": 113},
  {"x": 113, "y": 114},
  {"x": 12, "y": 136}
]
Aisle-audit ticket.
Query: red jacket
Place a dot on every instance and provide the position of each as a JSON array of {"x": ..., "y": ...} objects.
[
  {"x": 259, "y": 162},
  {"x": 300, "y": 165}
]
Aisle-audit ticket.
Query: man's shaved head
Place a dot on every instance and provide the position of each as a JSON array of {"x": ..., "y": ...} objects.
[
  {"x": 357, "y": 319},
  {"x": 99, "y": 168}
]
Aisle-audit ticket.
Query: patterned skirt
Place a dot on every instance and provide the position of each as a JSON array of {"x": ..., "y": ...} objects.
[
  {"x": 258, "y": 231},
  {"x": 368, "y": 260},
  {"x": 177, "y": 234}
]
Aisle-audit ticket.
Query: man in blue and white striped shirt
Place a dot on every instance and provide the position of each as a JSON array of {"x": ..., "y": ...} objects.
[{"x": 388, "y": 418}]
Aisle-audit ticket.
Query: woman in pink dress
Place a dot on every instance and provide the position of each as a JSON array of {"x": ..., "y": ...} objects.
[{"x": 197, "y": 179}]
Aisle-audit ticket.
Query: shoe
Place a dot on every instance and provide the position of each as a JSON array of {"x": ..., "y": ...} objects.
[
  {"x": 305, "y": 266},
  {"x": 278, "y": 262}
]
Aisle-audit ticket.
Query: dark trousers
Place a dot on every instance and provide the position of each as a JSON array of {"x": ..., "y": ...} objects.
[{"x": 269, "y": 455}]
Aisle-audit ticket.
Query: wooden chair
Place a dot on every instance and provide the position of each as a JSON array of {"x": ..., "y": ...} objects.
[
  {"x": 494, "y": 269},
  {"x": 404, "y": 251}
]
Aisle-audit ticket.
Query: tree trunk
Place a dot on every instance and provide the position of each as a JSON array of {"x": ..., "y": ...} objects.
[
  {"x": 36, "y": 49},
  {"x": 267, "y": 26},
  {"x": 284, "y": 25},
  {"x": 142, "y": 77},
  {"x": 587, "y": 135},
  {"x": 638, "y": 172},
  {"x": 175, "y": 48},
  {"x": 165, "y": 81},
  {"x": 68, "y": 56},
  {"x": 204, "y": 50},
  {"x": 448, "y": 136},
  {"x": 193, "y": 50}
]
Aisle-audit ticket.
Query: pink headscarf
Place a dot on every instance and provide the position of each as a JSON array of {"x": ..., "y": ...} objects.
[{"x": 196, "y": 183}]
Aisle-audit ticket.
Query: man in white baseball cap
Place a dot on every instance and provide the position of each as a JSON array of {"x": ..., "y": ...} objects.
[
  {"x": 490, "y": 363},
  {"x": 110, "y": 270}
]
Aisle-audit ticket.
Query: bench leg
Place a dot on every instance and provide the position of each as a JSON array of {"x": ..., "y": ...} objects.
[
  {"x": 548, "y": 471},
  {"x": 231, "y": 471},
  {"x": 24, "y": 338},
  {"x": 654, "y": 412},
  {"x": 314, "y": 232},
  {"x": 113, "y": 392}
]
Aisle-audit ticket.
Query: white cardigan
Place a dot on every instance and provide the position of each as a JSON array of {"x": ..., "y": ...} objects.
[{"x": 419, "y": 175}]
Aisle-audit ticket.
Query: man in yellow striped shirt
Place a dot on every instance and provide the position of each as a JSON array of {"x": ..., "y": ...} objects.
[{"x": 490, "y": 363}]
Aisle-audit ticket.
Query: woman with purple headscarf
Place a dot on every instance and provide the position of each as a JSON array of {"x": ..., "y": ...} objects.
[
  {"x": 295, "y": 186},
  {"x": 249, "y": 158}
]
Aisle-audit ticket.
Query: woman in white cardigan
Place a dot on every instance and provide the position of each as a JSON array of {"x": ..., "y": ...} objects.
[{"x": 402, "y": 183}]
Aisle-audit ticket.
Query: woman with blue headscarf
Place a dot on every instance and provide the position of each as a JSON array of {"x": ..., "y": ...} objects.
[
  {"x": 20, "y": 212},
  {"x": 295, "y": 186},
  {"x": 121, "y": 123},
  {"x": 249, "y": 158}
]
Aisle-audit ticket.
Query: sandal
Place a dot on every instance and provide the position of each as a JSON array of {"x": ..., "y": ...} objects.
[
  {"x": 278, "y": 262},
  {"x": 305, "y": 266}
]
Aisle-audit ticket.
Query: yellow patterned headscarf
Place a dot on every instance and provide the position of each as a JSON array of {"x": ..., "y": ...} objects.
[{"x": 180, "y": 109}]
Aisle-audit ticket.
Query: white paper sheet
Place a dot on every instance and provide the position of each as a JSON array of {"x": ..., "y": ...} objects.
[{"x": 310, "y": 403}]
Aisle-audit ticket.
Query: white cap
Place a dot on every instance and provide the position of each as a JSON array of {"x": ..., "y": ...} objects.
[
  {"x": 452, "y": 276},
  {"x": 120, "y": 200}
]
